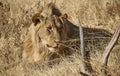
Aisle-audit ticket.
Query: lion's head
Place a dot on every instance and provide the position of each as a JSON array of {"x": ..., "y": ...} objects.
[{"x": 46, "y": 34}]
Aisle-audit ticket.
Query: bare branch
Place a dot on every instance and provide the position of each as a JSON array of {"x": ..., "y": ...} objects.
[
  {"x": 86, "y": 65},
  {"x": 108, "y": 50},
  {"x": 81, "y": 40}
]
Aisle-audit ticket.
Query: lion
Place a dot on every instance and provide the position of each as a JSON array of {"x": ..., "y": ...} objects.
[
  {"x": 51, "y": 33},
  {"x": 46, "y": 35}
]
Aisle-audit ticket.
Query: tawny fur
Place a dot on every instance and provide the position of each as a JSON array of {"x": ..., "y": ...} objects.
[{"x": 34, "y": 49}]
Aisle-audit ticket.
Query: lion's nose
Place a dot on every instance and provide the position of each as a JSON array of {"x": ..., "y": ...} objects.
[{"x": 48, "y": 45}]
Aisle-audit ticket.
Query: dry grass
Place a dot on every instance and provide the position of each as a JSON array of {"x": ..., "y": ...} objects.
[{"x": 15, "y": 18}]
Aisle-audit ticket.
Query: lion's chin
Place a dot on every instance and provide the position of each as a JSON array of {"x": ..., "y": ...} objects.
[{"x": 53, "y": 49}]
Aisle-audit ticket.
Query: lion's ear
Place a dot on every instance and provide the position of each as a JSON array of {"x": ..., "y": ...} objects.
[
  {"x": 36, "y": 18},
  {"x": 63, "y": 17}
]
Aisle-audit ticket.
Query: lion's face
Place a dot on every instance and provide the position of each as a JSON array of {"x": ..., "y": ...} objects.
[{"x": 50, "y": 31}]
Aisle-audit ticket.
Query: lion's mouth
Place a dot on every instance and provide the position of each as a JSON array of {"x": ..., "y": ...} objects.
[{"x": 53, "y": 48}]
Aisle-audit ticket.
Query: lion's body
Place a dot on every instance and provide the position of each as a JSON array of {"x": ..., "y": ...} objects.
[
  {"x": 46, "y": 35},
  {"x": 50, "y": 35}
]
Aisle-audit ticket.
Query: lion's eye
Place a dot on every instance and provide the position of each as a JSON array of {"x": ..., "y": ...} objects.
[{"x": 49, "y": 29}]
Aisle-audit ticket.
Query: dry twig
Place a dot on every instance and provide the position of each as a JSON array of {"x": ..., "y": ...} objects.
[{"x": 107, "y": 51}]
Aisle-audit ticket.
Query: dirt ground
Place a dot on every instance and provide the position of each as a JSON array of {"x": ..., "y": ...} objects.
[{"x": 99, "y": 17}]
